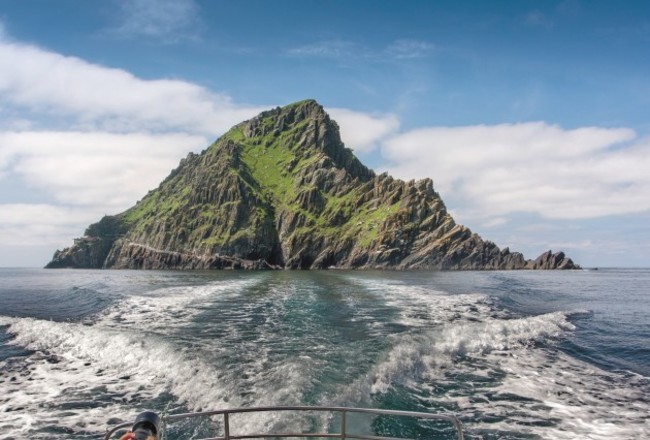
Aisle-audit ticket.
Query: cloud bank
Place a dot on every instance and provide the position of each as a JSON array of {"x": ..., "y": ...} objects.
[
  {"x": 97, "y": 96},
  {"x": 38, "y": 224},
  {"x": 529, "y": 167},
  {"x": 106, "y": 170},
  {"x": 127, "y": 132}
]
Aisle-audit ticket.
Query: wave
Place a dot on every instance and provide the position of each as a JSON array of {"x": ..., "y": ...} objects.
[
  {"x": 583, "y": 401},
  {"x": 427, "y": 355},
  {"x": 164, "y": 310},
  {"x": 420, "y": 306},
  {"x": 513, "y": 376},
  {"x": 75, "y": 362},
  {"x": 88, "y": 373}
]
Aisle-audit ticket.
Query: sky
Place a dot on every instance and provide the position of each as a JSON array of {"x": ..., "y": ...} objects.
[{"x": 531, "y": 117}]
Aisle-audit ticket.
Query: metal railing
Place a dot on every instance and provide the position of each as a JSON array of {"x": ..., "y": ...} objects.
[{"x": 343, "y": 433}]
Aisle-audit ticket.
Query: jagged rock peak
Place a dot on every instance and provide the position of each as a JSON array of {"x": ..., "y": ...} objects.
[
  {"x": 280, "y": 118},
  {"x": 308, "y": 127}
]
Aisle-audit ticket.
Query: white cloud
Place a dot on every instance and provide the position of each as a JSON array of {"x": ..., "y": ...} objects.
[
  {"x": 165, "y": 20},
  {"x": 408, "y": 49},
  {"x": 95, "y": 169},
  {"x": 23, "y": 213},
  {"x": 401, "y": 49},
  {"x": 495, "y": 222},
  {"x": 531, "y": 167},
  {"x": 362, "y": 131},
  {"x": 328, "y": 49},
  {"x": 43, "y": 224},
  {"x": 53, "y": 84}
]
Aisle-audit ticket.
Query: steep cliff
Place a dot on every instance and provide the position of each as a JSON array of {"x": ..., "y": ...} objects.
[{"x": 282, "y": 191}]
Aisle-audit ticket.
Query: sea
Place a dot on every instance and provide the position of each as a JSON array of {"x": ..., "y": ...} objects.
[{"x": 512, "y": 354}]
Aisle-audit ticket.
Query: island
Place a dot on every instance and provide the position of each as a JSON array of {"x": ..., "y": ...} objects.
[{"x": 281, "y": 191}]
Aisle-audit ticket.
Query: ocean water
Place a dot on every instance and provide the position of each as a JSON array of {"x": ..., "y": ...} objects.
[{"x": 515, "y": 355}]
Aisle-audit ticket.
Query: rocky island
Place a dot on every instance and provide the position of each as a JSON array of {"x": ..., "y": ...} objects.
[{"x": 281, "y": 191}]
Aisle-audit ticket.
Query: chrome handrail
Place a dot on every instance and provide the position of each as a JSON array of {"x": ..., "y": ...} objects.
[{"x": 342, "y": 434}]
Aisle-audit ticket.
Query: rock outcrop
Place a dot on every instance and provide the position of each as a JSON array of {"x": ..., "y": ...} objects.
[
  {"x": 282, "y": 191},
  {"x": 549, "y": 260}
]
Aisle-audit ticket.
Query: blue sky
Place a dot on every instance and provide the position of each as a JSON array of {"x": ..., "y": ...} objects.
[{"x": 531, "y": 117}]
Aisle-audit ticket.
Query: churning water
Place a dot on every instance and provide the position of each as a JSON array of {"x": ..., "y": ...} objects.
[{"x": 560, "y": 355}]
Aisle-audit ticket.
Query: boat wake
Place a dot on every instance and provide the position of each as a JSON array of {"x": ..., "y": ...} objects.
[
  {"x": 266, "y": 340},
  {"x": 507, "y": 372}
]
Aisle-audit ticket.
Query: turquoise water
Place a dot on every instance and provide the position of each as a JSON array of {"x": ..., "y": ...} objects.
[{"x": 561, "y": 355}]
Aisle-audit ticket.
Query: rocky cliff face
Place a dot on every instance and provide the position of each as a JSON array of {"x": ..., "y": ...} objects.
[{"x": 282, "y": 191}]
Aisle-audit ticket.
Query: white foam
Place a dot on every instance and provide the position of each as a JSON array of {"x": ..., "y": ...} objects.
[
  {"x": 125, "y": 363},
  {"x": 428, "y": 355},
  {"x": 500, "y": 334},
  {"x": 164, "y": 310},
  {"x": 539, "y": 384},
  {"x": 421, "y": 306},
  {"x": 129, "y": 355},
  {"x": 586, "y": 402},
  {"x": 131, "y": 367}
]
